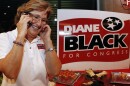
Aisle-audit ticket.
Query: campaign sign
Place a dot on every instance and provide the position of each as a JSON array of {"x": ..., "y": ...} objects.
[{"x": 86, "y": 35}]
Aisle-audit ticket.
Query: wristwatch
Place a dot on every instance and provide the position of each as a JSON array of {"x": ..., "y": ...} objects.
[{"x": 50, "y": 49}]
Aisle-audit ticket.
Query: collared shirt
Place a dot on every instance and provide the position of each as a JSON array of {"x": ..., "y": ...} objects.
[{"x": 33, "y": 70}]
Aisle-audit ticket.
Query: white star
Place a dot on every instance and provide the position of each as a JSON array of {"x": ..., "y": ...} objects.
[
  {"x": 109, "y": 20},
  {"x": 111, "y": 26},
  {"x": 117, "y": 22}
]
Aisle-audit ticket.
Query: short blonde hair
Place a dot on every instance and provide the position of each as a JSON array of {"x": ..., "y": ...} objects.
[{"x": 31, "y": 5}]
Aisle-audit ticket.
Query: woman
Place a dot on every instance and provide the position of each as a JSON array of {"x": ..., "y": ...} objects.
[{"x": 27, "y": 53}]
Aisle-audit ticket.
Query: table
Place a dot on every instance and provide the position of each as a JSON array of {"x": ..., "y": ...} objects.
[{"x": 106, "y": 81}]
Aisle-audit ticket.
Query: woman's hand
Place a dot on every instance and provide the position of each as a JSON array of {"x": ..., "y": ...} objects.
[
  {"x": 22, "y": 25},
  {"x": 45, "y": 33}
]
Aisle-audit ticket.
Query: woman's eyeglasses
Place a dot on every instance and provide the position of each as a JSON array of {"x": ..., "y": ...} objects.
[{"x": 36, "y": 18}]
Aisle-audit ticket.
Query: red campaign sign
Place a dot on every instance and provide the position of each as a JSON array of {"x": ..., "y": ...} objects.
[{"x": 89, "y": 39}]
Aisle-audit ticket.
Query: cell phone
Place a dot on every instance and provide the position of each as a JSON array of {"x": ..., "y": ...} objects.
[
  {"x": 29, "y": 23},
  {"x": 27, "y": 13},
  {"x": 42, "y": 30}
]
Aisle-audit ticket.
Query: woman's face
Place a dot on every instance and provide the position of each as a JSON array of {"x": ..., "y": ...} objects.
[{"x": 39, "y": 19}]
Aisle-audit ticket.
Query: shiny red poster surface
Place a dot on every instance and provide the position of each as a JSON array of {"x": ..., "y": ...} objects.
[{"x": 93, "y": 39}]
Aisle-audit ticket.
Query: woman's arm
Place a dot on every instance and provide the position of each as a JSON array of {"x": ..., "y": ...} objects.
[
  {"x": 53, "y": 63},
  {"x": 10, "y": 65}
]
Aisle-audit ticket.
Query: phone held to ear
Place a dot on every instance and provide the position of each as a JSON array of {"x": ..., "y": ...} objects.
[{"x": 27, "y": 13}]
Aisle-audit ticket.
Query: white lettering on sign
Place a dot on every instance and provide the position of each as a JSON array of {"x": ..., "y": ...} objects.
[{"x": 81, "y": 28}]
